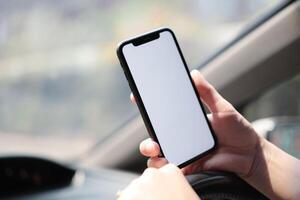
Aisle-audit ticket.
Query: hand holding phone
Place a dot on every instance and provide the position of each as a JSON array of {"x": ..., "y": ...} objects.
[
  {"x": 166, "y": 96},
  {"x": 238, "y": 147}
]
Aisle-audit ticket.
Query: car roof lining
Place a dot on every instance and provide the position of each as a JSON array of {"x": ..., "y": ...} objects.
[
  {"x": 251, "y": 27},
  {"x": 242, "y": 72}
]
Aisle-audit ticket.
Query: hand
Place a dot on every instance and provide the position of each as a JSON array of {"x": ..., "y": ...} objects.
[
  {"x": 165, "y": 183},
  {"x": 240, "y": 150},
  {"x": 237, "y": 140}
]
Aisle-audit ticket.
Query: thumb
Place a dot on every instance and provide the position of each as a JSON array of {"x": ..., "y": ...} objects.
[{"x": 214, "y": 101}]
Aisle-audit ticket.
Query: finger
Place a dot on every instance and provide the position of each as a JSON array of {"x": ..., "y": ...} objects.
[
  {"x": 150, "y": 171},
  {"x": 149, "y": 148},
  {"x": 170, "y": 168},
  {"x": 196, "y": 166},
  {"x": 127, "y": 192},
  {"x": 157, "y": 162},
  {"x": 134, "y": 181},
  {"x": 132, "y": 99},
  {"x": 191, "y": 169},
  {"x": 225, "y": 161},
  {"x": 214, "y": 101}
]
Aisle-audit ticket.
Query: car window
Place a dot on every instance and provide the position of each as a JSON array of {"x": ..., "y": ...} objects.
[
  {"x": 276, "y": 115},
  {"x": 61, "y": 87},
  {"x": 282, "y": 100}
]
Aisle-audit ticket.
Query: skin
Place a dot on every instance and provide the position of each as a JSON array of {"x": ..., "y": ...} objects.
[
  {"x": 240, "y": 150},
  {"x": 167, "y": 182}
]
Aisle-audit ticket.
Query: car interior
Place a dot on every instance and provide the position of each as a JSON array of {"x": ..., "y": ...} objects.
[{"x": 258, "y": 71}]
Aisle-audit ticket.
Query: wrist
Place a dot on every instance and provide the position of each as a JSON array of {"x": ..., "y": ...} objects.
[
  {"x": 274, "y": 172},
  {"x": 258, "y": 175},
  {"x": 262, "y": 155}
]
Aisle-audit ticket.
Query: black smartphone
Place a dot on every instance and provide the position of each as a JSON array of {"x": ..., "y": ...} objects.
[{"x": 166, "y": 96}]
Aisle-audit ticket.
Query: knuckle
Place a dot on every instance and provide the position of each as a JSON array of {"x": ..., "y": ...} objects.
[{"x": 210, "y": 90}]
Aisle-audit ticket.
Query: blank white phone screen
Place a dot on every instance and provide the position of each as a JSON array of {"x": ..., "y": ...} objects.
[{"x": 169, "y": 98}]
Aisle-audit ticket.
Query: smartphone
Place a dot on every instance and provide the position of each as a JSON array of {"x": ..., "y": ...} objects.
[{"x": 166, "y": 96}]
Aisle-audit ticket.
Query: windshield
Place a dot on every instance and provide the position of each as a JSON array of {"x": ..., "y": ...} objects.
[{"x": 61, "y": 86}]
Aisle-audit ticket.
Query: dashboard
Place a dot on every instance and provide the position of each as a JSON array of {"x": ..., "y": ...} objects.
[{"x": 24, "y": 178}]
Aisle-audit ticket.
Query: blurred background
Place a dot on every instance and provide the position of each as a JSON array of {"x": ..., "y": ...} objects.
[{"x": 61, "y": 87}]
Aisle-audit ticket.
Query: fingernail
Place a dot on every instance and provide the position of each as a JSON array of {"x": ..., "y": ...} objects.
[
  {"x": 196, "y": 74},
  {"x": 149, "y": 147},
  {"x": 195, "y": 71}
]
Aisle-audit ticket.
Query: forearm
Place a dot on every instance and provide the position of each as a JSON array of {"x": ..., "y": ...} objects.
[{"x": 275, "y": 173}]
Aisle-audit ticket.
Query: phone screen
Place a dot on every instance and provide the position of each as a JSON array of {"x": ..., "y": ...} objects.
[{"x": 167, "y": 93}]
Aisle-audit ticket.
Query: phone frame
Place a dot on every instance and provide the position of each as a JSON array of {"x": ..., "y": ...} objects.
[{"x": 142, "y": 39}]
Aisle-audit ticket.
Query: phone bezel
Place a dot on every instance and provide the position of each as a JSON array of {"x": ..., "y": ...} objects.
[{"x": 138, "y": 98}]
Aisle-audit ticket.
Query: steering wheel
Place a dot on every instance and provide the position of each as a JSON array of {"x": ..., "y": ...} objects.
[{"x": 223, "y": 186}]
